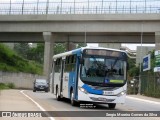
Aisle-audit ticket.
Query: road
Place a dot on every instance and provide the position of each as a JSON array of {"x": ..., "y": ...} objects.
[{"x": 49, "y": 103}]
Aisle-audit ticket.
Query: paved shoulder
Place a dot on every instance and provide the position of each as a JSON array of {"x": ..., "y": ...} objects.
[{"x": 14, "y": 100}]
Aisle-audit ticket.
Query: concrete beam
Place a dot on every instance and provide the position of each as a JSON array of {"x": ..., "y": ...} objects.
[
  {"x": 91, "y": 38},
  {"x": 21, "y": 37},
  {"x": 113, "y": 39},
  {"x": 77, "y": 23},
  {"x": 79, "y": 26},
  {"x": 82, "y": 17}
]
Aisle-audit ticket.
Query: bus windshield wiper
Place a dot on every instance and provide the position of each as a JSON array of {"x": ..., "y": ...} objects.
[{"x": 112, "y": 66}]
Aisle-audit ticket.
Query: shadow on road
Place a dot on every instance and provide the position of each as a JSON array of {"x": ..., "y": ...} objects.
[{"x": 87, "y": 105}]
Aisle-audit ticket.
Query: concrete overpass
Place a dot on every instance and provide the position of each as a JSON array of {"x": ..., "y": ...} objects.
[{"x": 100, "y": 28}]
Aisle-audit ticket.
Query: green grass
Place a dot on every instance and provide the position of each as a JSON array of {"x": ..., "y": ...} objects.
[
  {"x": 11, "y": 62},
  {"x": 6, "y": 86},
  {"x": 11, "y": 85}
]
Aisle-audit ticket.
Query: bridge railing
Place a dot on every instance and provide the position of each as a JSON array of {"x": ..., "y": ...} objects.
[{"x": 79, "y": 6}]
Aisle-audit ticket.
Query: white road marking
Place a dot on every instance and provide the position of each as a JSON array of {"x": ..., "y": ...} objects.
[
  {"x": 40, "y": 107},
  {"x": 143, "y": 100}
]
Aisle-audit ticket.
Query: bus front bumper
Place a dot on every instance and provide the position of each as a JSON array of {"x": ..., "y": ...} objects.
[{"x": 100, "y": 98}]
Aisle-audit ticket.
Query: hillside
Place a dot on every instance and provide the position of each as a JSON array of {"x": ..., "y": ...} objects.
[{"x": 11, "y": 62}]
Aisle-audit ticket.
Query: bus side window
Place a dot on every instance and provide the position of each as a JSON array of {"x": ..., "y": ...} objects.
[
  {"x": 73, "y": 62},
  {"x": 55, "y": 65},
  {"x": 70, "y": 63},
  {"x": 58, "y": 65},
  {"x": 66, "y": 64}
]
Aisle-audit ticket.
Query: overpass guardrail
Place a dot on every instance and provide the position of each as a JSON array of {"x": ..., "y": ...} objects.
[{"x": 8, "y": 7}]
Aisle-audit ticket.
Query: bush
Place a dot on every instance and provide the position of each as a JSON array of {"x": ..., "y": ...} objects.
[
  {"x": 7, "y": 86},
  {"x": 11, "y": 62},
  {"x": 3, "y": 86},
  {"x": 11, "y": 85}
]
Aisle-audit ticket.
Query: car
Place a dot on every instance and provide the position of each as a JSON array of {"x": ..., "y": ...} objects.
[{"x": 40, "y": 85}]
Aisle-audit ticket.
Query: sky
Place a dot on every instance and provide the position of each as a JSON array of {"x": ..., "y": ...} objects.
[
  {"x": 130, "y": 46},
  {"x": 134, "y": 46}
]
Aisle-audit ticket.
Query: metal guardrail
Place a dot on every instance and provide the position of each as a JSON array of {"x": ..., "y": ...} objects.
[{"x": 79, "y": 6}]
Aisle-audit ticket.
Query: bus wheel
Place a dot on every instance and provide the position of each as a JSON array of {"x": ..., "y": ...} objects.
[
  {"x": 73, "y": 102},
  {"x": 57, "y": 96},
  {"x": 112, "y": 105}
]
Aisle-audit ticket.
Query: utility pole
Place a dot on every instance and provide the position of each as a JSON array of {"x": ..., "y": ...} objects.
[{"x": 140, "y": 69}]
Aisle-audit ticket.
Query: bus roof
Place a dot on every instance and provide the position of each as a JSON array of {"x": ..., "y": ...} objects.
[{"x": 79, "y": 50}]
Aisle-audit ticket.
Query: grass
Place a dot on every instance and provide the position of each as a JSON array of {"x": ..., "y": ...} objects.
[{"x": 6, "y": 86}]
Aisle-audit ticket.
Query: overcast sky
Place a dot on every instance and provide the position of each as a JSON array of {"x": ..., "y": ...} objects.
[{"x": 130, "y": 46}]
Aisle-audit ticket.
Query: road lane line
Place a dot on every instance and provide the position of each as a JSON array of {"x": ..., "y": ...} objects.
[
  {"x": 40, "y": 107},
  {"x": 143, "y": 100}
]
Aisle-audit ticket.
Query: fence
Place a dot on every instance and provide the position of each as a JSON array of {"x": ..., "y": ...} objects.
[
  {"x": 150, "y": 84},
  {"x": 79, "y": 6},
  {"x": 20, "y": 80}
]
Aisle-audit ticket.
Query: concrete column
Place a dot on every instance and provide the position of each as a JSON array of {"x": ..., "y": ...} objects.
[
  {"x": 48, "y": 53},
  {"x": 157, "y": 40}
]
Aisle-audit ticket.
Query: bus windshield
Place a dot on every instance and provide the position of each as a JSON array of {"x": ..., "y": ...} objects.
[{"x": 103, "y": 70}]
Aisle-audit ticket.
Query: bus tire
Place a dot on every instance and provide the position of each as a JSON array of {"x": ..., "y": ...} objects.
[
  {"x": 112, "y": 105},
  {"x": 57, "y": 95},
  {"x": 73, "y": 102}
]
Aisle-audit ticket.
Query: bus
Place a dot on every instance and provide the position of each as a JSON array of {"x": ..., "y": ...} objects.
[{"x": 90, "y": 74}]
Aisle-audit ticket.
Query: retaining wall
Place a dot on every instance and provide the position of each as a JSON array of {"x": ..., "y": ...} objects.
[{"x": 20, "y": 80}]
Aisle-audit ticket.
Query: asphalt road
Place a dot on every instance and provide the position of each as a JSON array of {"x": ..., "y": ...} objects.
[
  {"x": 137, "y": 105},
  {"x": 49, "y": 103}
]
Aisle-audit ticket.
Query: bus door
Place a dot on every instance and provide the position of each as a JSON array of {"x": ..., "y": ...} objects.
[
  {"x": 61, "y": 77},
  {"x": 66, "y": 78}
]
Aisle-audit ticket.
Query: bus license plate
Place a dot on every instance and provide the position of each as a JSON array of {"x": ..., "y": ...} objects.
[
  {"x": 102, "y": 99},
  {"x": 108, "y": 93}
]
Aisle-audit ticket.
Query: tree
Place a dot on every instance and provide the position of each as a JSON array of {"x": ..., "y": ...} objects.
[
  {"x": 22, "y": 49},
  {"x": 79, "y": 45},
  {"x": 133, "y": 69},
  {"x": 37, "y": 54},
  {"x": 59, "y": 48}
]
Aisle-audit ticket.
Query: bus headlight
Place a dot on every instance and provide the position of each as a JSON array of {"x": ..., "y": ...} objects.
[
  {"x": 82, "y": 90},
  {"x": 121, "y": 93}
]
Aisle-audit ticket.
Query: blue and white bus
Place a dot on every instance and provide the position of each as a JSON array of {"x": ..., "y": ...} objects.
[{"x": 90, "y": 74}]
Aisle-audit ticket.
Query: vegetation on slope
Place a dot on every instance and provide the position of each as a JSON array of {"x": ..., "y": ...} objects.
[{"x": 10, "y": 61}]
